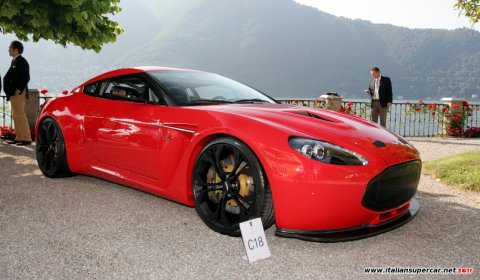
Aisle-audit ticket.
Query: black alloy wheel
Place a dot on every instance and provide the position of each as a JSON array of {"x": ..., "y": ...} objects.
[
  {"x": 229, "y": 187},
  {"x": 50, "y": 150}
]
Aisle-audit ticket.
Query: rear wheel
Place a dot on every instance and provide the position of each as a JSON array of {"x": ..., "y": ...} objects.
[
  {"x": 230, "y": 187},
  {"x": 50, "y": 150}
]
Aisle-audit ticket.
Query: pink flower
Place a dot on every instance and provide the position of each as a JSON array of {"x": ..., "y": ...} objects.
[{"x": 420, "y": 101}]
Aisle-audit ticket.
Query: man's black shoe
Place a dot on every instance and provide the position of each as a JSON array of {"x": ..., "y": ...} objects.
[{"x": 23, "y": 143}]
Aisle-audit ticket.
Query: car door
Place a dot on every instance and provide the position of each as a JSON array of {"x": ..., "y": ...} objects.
[{"x": 121, "y": 126}]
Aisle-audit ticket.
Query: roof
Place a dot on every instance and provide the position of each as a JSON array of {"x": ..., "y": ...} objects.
[{"x": 132, "y": 70}]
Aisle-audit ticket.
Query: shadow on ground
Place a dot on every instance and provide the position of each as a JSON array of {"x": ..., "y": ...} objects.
[{"x": 85, "y": 228}]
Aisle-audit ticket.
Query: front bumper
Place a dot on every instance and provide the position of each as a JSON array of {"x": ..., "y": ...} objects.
[{"x": 352, "y": 233}]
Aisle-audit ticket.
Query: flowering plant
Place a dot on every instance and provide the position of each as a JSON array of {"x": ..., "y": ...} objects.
[
  {"x": 7, "y": 133},
  {"x": 317, "y": 103},
  {"x": 471, "y": 132},
  {"x": 348, "y": 108},
  {"x": 351, "y": 109},
  {"x": 449, "y": 117}
]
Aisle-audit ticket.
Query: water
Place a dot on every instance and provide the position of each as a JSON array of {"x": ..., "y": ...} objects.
[{"x": 418, "y": 124}]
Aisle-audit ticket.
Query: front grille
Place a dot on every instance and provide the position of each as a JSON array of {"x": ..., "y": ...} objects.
[{"x": 393, "y": 187}]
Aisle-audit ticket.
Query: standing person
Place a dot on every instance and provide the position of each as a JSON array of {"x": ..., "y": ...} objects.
[
  {"x": 380, "y": 90},
  {"x": 15, "y": 85}
]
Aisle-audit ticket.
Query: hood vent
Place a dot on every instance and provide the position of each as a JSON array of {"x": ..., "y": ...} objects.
[{"x": 308, "y": 114}]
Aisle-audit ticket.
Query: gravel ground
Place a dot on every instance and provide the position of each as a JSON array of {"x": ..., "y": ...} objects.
[
  {"x": 85, "y": 228},
  {"x": 432, "y": 148}
]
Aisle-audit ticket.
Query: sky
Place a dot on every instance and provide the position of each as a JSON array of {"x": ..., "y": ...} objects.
[{"x": 437, "y": 14}]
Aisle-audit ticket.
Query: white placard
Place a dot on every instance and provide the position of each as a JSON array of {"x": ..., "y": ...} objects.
[{"x": 254, "y": 240}]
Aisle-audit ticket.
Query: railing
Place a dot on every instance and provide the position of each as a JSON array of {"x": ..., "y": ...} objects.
[
  {"x": 6, "y": 109},
  {"x": 401, "y": 119}
]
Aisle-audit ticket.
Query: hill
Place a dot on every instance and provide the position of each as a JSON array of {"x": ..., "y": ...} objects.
[{"x": 278, "y": 46}]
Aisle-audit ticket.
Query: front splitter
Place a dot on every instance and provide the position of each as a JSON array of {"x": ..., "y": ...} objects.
[{"x": 352, "y": 233}]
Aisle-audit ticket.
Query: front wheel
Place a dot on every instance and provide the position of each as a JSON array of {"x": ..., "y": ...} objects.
[
  {"x": 50, "y": 150},
  {"x": 230, "y": 187}
]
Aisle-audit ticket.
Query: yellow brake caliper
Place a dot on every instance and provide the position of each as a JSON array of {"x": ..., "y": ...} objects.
[{"x": 245, "y": 181}]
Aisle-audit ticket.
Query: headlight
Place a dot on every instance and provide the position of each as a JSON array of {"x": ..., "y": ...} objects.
[{"x": 326, "y": 152}]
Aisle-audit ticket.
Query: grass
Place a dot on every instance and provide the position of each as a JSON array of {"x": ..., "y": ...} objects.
[{"x": 462, "y": 170}]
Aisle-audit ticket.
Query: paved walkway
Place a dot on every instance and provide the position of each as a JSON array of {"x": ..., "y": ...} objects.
[{"x": 85, "y": 228}]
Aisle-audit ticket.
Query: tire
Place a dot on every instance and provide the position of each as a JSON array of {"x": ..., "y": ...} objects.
[
  {"x": 50, "y": 150},
  {"x": 229, "y": 187}
]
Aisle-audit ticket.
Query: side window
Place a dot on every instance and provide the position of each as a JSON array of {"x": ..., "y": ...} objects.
[
  {"x": 91, "y": 89},
  {"x": 152, "y": 96},
  {"x": 129, "y": 88}
]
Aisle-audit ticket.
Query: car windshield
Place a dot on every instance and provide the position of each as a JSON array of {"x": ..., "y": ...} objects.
[{"x": 199, "y": 88}]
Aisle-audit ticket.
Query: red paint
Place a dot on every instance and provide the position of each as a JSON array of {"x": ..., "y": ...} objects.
[{"x": 134, "y": 144}]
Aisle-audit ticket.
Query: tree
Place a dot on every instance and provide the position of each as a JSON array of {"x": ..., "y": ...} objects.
[
  {"x": 469, "y": 8},
  {"x": 81, "y": 22}
]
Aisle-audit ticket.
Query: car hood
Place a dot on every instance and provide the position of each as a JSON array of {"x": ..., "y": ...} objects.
[{"x": 350, "y": 132}]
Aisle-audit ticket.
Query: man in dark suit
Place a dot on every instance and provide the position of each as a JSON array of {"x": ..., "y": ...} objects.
[
  {"x": 15, "y": 85},
  {"x": 380, "y": 90}
]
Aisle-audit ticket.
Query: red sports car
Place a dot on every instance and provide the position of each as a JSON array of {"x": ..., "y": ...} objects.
[{"x": 233, "y": 153}]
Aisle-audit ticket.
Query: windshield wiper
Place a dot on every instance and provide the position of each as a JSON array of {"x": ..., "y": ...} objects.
[
  {"x": 253, "y": 100},
  {"x": 207, "y": 101}
]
